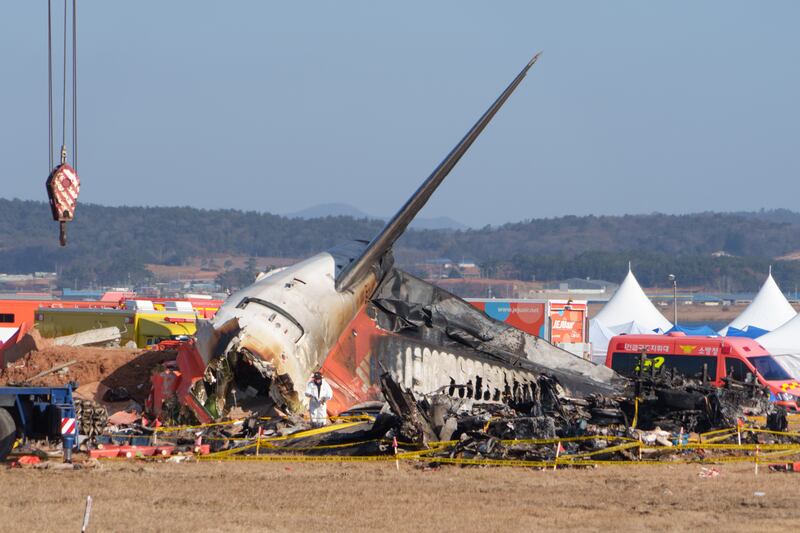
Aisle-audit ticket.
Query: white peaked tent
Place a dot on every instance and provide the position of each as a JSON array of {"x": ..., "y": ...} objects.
[
  {"x": 783, "y": 340},
  {"x": 628, "y": 311},
  {"x": 769, "y": 309}
]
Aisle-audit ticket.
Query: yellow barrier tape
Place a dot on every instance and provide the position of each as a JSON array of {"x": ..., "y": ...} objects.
[
  {"x": 717, "y": 438},
  {"x": 716, "y": 431},
  {"x": 733, "y": 447},
  {"x": 772, "y": 432},
  {"x": 315, "y": 431},
  {"x": 269, "y": 446},
  {"x": 488, "y": 462},
  {"x": 572, "y": 461},
  {"x": 169, "y": 429},
  {"x": 301, "y": 458},
  {"x": 298, "y": 435},
  {"x": 567, "y": 439},
  {"x": 352, "y": 418},
  {"x": 610, "y": 449}
]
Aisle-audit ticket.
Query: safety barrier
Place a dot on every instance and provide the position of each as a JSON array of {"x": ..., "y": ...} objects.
[{"x": 270, "y": 451}]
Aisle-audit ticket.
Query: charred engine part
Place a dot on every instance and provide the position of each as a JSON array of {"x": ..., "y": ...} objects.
[{"x": 674, "y": 403}]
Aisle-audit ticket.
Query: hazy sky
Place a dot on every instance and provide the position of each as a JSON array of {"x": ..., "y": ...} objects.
[{"x": 277, "y": 106}]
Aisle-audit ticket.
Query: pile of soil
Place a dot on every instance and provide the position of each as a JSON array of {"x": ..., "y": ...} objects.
[{"x": 111, "y": 367}]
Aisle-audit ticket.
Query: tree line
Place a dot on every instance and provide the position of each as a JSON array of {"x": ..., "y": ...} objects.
[{"x": 112, "y": 245}]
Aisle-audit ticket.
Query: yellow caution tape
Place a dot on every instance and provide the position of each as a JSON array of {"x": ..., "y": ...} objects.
[
  {"x": 315, "y": 431},
  {"x": 567, "y": 439},
  {"x": 168, "y": 429},
  {"x": 718, "y": 437},
  {"x": 610, "y": 449},
  {"x": 352, "y": 418},
  {"x": 300, "y": 458},
  {"x": 298, "y": 435},
  {"x": 572, "y": 461}
]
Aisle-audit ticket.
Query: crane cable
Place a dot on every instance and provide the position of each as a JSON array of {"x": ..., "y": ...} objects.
[
  {"x": 74, "y": 85},
  {"x": 50, "y": 81},
  {"x": 63, "y": 184},
  {"x": 74, "y": 122}
]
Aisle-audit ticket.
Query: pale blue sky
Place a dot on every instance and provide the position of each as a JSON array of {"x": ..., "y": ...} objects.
[{"x": 276, "y": 106}]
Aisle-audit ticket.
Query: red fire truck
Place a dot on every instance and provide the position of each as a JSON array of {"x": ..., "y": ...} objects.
[{"x": 714, "y": 358}]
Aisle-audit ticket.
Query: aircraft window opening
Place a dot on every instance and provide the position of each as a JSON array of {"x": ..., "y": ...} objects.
[{"x": 271, "y": 317}]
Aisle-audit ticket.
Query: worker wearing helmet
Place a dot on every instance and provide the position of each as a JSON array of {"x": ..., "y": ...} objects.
[{"x": 318, "y": 392}]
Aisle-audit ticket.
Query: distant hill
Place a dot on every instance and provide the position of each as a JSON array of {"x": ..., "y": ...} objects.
[
  {"x": 111, "y": 245},
  {"x": 347, "y": 210},
  {"x": 773, "y": 215},
  {"x": 330, "y": 210}
]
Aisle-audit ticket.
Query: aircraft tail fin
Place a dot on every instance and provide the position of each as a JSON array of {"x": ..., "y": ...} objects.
[{"x": 400, "y": 221}]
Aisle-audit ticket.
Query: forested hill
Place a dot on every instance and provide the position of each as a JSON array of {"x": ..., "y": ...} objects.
[{"x": 111, "y": 244}]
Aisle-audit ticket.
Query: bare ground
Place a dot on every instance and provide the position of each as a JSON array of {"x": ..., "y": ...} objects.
[
  {"x": 111, "y": 367},
  {"x": 374, "y": 496}
]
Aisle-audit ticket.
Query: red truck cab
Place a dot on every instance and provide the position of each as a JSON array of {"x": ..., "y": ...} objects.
[{"x": 716, "y": 357}]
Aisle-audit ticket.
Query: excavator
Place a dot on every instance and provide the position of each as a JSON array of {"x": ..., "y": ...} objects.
[{"x": 351, "y": 314}]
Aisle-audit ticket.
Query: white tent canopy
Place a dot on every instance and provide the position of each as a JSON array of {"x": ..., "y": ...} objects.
[
  {"x": 628, "y": 311},
  {"x": 631, "y": 304},
  {"x": 769, "y": 309},
  {"x": 783, "y": 340}
]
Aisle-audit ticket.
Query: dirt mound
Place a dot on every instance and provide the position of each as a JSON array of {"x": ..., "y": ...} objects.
[{"x": 112, "y": 367}]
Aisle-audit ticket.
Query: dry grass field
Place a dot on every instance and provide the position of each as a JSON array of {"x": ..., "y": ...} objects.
[{"x": 327, "y": 497}]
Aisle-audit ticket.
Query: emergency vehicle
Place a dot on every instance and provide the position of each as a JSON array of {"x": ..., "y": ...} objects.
[{"x": 712, "y": 358}]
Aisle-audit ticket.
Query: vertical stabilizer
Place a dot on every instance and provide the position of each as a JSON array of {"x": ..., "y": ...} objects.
[{"x": 399, "y": 222}]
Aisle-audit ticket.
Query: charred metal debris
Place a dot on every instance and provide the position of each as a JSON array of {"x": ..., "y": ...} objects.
[{"x": 660, "y": 412}]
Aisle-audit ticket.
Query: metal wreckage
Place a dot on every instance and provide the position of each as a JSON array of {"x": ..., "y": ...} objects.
[{"x": 426, "y": 365}]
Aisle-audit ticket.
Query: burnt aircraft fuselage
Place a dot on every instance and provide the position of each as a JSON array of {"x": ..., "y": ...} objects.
[{"x": 349, "y": 312}]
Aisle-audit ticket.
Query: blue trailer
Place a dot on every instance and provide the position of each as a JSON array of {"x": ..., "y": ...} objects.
[{"x": 37, "y": 413}]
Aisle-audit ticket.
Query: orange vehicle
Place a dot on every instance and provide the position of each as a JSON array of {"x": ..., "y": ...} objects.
[
  {"x": 18, "y": 312},
  {"x": 714, "y": 358}
]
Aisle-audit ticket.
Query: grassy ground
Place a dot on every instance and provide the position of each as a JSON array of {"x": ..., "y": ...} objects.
[{"x": 374, "y": 496}]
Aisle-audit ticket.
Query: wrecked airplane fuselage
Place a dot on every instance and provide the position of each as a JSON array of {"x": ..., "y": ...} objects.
[
  {"x": 277, "y": 331},
  {"x": 350, "y": 313},
  {"x": 272, "y": 336}
]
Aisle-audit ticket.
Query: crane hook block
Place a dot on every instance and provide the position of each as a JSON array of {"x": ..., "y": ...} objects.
[{"x": 63, "y": 186}]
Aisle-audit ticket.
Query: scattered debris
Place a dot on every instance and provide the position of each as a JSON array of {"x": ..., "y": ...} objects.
[
  {"x": 93, "y": 337},
  {"x": 25, "y": 461},
  {"x": 707, "y": 472},
  {"x": 785, "y": 467},
  {"x": 57, "y": 368}
]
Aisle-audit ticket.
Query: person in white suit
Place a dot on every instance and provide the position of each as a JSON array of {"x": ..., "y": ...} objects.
[{"x": 318, "y": 392}]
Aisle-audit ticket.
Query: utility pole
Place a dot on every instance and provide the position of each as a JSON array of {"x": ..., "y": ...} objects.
[{"x": 674, "y": 281}]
